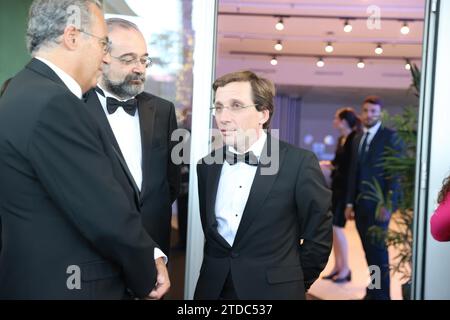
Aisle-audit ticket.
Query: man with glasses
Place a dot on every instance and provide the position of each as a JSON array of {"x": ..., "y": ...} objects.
[
  {"x": 70, "y": 220},
  {"x": 140, "y": 126},
  {"x": 268, "y": 235}
]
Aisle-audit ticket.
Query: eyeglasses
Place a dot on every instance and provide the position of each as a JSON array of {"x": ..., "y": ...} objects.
[
  {"x": 235, "y": 107},
  {"x": 128, "y": 60},
  {"x": 106, "y": 44}
]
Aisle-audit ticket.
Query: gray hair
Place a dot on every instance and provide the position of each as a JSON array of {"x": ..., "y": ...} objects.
[
  {"x": 113, "y": 23},
  {"x": 47, "y": 20}
]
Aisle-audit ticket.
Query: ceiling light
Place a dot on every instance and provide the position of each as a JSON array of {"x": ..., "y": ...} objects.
[
  {"x": 405, "y": 28},
  {"x": 361, "y": 64},
  {"x": 278, "y": 46},
  {"x": 280, "y": 25},
  {"x": 329, "y": 48},
  {"x": 274, "y": 61},
  {"x": 347, "y": 27},
  {"x": 320, "y": 63},
  {"x": 379, "y": 49},
  {"x": 408, "y": 65}
]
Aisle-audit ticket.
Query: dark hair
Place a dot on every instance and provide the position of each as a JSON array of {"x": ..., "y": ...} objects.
[
  {"x": 4, "y": 86},
  {"x": 349, "y": 115},
  {"x": 263, "y": 90},
  {"x": 445, "y": 189},
  {"x": 374, "y": 100}
]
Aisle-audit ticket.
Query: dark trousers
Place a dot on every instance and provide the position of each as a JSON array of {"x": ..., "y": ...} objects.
[{"x": 375, "y": 249}]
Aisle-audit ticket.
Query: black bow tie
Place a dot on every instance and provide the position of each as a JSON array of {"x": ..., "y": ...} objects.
[
  {"x": 129, "y": 106},
  {"x": 248, "y": 158},
  {"x": 112, "y": 104}
]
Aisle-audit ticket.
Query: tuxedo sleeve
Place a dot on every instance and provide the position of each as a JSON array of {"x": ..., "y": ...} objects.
[
  {"x": 173, "y": 170},
  {"x": 69, "y": 159},
  {"x": 201, "y": 184},
  {"x": 313, "y": 200}
]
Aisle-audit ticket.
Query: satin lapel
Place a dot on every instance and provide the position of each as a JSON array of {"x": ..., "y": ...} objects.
[
  {"x": 212, "y": 184},
  {"x": 146, "y": 122},
  {"x": 95, "y": 108},
  {"x": 262, "y": 184}
]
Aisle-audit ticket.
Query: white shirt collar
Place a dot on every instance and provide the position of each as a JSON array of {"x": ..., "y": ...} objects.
[
  {"x": 70, "y": 82},
  {"x": 257, "y": 147},
  {"x": 373, "y": 130}
]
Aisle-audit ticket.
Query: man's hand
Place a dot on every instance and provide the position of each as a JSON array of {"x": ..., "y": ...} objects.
[
  {"x": 162, "y": 281},
  {"x": 349, "y": 213}
]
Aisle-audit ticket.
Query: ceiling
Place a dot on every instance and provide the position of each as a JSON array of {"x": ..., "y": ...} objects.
[{"x": 247, "y": 41}]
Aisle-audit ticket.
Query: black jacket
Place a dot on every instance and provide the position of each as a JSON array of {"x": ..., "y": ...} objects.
[
  {"x": 266, "y": 260},
  {"x": 160, "y": 176},
  {"x": 362, "y": 176},
  {"x": 65, "y": 199}
]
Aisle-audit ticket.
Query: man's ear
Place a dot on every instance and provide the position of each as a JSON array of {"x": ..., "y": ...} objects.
[
  {"x": 264, "y": 116},
  {"x": 71, "y": 37}
]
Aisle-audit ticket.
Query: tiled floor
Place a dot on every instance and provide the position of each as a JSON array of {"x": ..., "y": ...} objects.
[{"x": 328, "y": 290}]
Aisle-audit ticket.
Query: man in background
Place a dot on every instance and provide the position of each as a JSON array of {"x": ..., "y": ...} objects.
[
  {"x": 140, "y": 126},
  {"x": 366, "y": 169}
]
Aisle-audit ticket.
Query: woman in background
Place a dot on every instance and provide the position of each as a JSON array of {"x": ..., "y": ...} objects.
[
  {"x": 348, "y": 124},
  {"x": 440, "y": 221}
]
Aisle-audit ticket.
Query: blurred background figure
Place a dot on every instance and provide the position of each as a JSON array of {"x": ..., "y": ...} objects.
[
  {"x": 348, "y": 124},
  {"x": 440, "y": 221}
]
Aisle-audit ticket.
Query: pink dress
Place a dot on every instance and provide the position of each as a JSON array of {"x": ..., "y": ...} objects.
[{"x": 440, "y": 221}]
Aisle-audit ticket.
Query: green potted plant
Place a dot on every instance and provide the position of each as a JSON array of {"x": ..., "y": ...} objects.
[{"x": 401, "y": 166}]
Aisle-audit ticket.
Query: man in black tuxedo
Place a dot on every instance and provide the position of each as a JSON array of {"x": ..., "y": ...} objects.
[
  {"x": 140, "y": 126},
  {"x": 265, "y": 210},
  {"x": 71, "y": 228},
  {"x": 366, "y": 168}
]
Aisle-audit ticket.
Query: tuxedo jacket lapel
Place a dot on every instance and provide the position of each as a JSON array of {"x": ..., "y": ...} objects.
[
  {"x": 146, "y": 122},
  {"x": 94, "y": 106},
  {"x": 262, "y": 184},
  {"x": 212, "y": 184}
]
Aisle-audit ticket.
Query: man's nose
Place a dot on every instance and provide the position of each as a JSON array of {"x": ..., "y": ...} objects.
[
  {"x": 139, "y": 68},
  {"x": 107, "y": 58}
]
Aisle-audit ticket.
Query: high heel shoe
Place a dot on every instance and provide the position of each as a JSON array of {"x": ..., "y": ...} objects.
[
  {"x": 347, "y": 278},
  {"x": 330, "y": 276}
]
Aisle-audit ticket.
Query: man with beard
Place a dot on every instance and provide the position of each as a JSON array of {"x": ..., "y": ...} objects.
[
  {"x": 71, "y": 228},
  {"x": 366, "y": 168},
  {"x": 140, "y": 126}
]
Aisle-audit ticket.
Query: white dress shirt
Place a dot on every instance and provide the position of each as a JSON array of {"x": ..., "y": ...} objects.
[
  {"x": 70, "y": 82},
  {"x": 127, "y": 131},
  {"x": 233, "y": 191}
]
